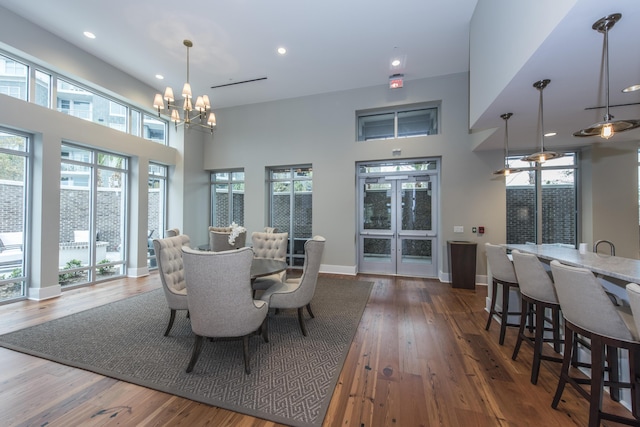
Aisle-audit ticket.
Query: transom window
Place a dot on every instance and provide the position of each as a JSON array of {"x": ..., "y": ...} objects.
[{"x": 416, "y": 120}]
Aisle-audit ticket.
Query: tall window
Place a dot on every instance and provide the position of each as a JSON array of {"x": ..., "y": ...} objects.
[
  {"x": 542, "y": 202},
  {"x": 227, "y": 198},
  {"x": 14, "y": 189},
  {"x": 290, "y": 209},
  {"x": 93, "y": 194},
  {"x": 410, "y": 120},
  {"x": 157, "y": 213}
]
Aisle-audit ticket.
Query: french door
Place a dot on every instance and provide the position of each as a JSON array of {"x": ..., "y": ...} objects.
[{"x": 398, "y": 218}]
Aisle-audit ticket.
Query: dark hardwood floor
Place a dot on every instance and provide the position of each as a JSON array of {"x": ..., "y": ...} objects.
[{"x": 420, "y": 357}]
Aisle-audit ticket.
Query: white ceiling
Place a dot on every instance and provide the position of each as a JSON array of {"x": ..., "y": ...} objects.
[{"x": 337, "y": 45}]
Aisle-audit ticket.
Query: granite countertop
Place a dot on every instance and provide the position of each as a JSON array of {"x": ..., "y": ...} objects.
[{"x": 625, "y": 269}]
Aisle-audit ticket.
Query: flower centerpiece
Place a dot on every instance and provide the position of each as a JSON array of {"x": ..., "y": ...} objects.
[{"x": 235, "y": 232}]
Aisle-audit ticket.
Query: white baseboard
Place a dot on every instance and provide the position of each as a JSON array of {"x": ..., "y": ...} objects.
[
  {"x": 48, "y": 292},
  {"x": 349, "y": 270},
  {"x": 138, "y": 272}
]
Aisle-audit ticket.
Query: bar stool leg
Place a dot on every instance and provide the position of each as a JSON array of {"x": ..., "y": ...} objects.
[
  {"x": 614, "y": 376},
  {"x": 555, "y": 319},
  {"x": 566, "y": 363},
  {"x": 523, "y": 321},
  {"x": 597, "y": 374},
  {"x": 492, "y": 309},
  {"x": 537, "y": 344},
  {"x": 504, "y": 318}
]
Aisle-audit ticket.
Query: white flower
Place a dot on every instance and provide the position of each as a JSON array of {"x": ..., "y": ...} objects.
[{"x": 235, "y": 232}]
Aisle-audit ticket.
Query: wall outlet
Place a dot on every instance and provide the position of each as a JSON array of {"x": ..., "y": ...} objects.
[{"x": 458, "y": 229}]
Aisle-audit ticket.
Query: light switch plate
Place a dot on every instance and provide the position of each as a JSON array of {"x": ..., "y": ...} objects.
[{"x": 458, "y": 229}]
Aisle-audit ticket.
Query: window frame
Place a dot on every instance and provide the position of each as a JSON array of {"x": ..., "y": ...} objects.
[{"x": 432, "y": 108}]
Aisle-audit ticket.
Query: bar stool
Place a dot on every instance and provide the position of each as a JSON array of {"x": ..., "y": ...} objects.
[
  {"x": 536, "y": 290},
  {"x": 503, "y": 274},
  {"x": 588, "y": 311}
]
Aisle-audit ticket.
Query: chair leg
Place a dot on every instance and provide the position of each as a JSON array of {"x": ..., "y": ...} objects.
[
  {"x": 172, "y": 317},
  {"x": 492, "y": 309},
  {"x": 537, "y": 343},
  {"x": 301, "y": 321},
  {"x": 597, "y": 374},
  {"x": 504, "y": 319},
  {"x": 555, "y": 319},
  {"x": 245, "y": 353},
  {"x": 197, "y": 346},
  {"x": 310, "y": 312},
  {"x": 566, "y": 363},
  {"x": 612, "y": 363},
  {"x": 523, "y": 321},
  {"x": 264, "y": 329}
]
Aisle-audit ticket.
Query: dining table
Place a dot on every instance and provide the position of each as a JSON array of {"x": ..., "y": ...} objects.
[{"x": 266, "y": 266}]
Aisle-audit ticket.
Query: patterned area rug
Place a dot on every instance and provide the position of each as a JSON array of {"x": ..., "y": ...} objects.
[{"x": 292, "y": 377}]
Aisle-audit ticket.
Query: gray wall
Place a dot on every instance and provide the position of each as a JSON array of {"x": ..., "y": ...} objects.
[{"x": 321, "y": 130}]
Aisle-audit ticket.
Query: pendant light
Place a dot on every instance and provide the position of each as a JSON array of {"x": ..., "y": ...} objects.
[
  {"x": 506, "y": 170},
  {"x": 608, "y": 127},
  {"x": 542, "y": 155}
]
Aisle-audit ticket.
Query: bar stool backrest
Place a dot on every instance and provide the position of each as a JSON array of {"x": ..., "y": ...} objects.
[
  {"x": 584, "y": 302},
  {"x": 533, "y": 279},
  {"x": 501, "y": 266}
]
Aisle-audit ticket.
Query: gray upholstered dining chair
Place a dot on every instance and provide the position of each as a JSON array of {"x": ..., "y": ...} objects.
[
  {"x": 221, "y": 304},
  {"x": 172, "y": 232},
  {"x": 270, "y": 246},
  {"x": 169, "y": 258},
  {"x": 504, "y": 275},
  {"x": 537, "y": 291},
  {"x": 219, "y": 239},
  {"x": 270, "y": 230},
  {"x": 588, "y": 311},
  {"x": 297, "y": 293}
]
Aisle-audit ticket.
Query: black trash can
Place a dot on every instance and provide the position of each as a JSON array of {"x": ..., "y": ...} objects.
[{"x": 462, "y": 263}]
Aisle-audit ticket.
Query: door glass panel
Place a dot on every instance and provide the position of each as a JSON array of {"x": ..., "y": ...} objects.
[
  {"x": 377, "y": 250},
  {"x": 416, "y": 205},
  {"x": 377, "y": 206},
  {"x": 416, "y": 251}
]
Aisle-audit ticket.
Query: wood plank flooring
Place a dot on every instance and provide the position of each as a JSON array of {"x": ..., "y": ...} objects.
[{"x": 420, "y": 357}]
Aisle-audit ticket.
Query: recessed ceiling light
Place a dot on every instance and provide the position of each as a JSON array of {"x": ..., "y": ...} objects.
[
  {"x": 89, "y": 35},
  {"x": 551, "y": 134},
  {"x": 282, "y": 50},
  {"x": 631, "y": 88},
  {"x": 159, "y": 76},
  {"x": 395, "y": 62}
]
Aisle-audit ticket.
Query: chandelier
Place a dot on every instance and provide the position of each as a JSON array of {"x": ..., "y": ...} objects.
[{"x": 199, "y": 114}]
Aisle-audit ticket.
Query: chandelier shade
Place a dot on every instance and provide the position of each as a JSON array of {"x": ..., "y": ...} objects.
[
  {"x": 200, "y": 116},
  {"x": 542, "y": 155},
  {"x": 608, "y": 127},
  {"x": 506, "y": 170}
]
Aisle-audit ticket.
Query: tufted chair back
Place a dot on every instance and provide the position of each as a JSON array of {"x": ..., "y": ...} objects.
[
  {"x": 270, "y": 245},
  {"x": 220, "y": 229},
  {"x": 169, "y": 258}
]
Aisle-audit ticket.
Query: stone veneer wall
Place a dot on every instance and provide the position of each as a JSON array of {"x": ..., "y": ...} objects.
[
  {"x": 75, "y": 216},
  {"x": 558, "y": 214}
]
